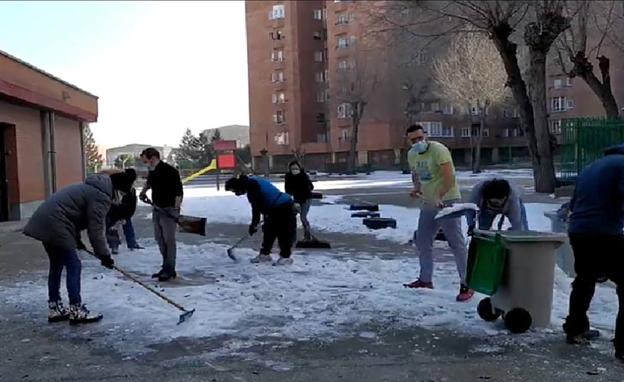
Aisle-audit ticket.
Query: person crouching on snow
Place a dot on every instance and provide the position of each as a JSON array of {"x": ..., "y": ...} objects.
[
  {"x": 494, "y": 197},
  {"x": 298, "y": 185},
  {"x": 57, "y": 223},
  {"x": 279, "y": 216}
]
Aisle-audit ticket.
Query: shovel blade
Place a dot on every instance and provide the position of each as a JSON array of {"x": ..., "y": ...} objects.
[
  {"x": 192, "y": 224},
  {"x": 185, "y": 316},
  {"x": 230, "y": 253}
]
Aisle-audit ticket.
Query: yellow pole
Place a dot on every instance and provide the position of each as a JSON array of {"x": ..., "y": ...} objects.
[{"x": 210, "y": 167}]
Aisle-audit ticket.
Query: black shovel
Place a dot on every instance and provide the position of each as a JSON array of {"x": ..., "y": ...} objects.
[{"x": 188, "y": 224}]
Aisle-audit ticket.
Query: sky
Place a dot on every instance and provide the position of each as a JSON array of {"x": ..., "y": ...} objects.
[{"x": 158, "y": 68}]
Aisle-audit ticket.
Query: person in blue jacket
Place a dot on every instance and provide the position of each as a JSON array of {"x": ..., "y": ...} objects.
[
  {"x": 279, "y": 215},
  {"x": 595, "y": 229}
]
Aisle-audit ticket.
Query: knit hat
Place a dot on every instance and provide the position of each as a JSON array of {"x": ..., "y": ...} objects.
[{"x": 123, "y": 181}]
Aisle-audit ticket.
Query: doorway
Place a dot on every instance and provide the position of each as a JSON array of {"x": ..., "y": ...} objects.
[{"x": 4, "y": 183}]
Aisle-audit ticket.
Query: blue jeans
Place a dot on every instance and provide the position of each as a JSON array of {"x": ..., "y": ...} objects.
[
  {"x": 59, "y": 259},
  {"x": 112, "y": 236}
]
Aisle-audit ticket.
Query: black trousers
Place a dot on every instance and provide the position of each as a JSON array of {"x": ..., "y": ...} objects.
[
  {"x": 281, "y": 224},
  {"x": 595, "y": 256}
]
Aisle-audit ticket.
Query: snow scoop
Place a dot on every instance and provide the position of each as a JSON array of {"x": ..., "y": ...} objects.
[
  {"x": 230, "y": 251},
  {"x": 313, "y": 243},
  {"x": 456, "y": 210},
  {"x": 188, "y": 224},
  {"x": 183, "y": 317}
]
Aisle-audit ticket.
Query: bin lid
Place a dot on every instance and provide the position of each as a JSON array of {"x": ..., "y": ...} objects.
[
  {"x": 551, "y": 214},
  {"x": 532, "y": 237},
  {"x": 485, "y": 234}
]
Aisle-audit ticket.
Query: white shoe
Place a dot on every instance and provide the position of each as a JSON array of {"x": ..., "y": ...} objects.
[
  {"x": 284, "y": 261},
  {"x": 261, "y": 259}
]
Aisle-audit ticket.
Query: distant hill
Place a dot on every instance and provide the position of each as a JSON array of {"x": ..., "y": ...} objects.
[{"x": 238, "y": 133}]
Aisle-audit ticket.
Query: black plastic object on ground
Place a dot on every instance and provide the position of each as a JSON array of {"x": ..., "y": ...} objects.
[
  {"x": 365, "y": 214},
  {"x": 313, "y": 244},
  {"x": 380, "y": 223},
  {"x": 364, "y": 207},
  {"x": 316, "y": 195}
]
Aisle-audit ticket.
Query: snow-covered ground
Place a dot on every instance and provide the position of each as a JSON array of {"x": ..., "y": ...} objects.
[{"x": 325, "y": 294}]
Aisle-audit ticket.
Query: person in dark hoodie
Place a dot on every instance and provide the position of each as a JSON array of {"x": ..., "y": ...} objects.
[
  {"x": 279, "y": 215},
  {"x": 595, "y": 229},
  {"x": 118, "y": 213},
  {"x": 299, "y": 186},
  {"x": 57, "y": 223}
]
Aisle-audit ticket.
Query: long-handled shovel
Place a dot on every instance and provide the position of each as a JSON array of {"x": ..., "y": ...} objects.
[
  {"x": 188, "y": 224},
  {"x": 230, "y": 251},
  {"x": 183, "y": 317}
]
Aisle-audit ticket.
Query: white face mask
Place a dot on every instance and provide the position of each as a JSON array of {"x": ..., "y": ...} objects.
[
  {"x": 295, "y": 171},
  {"x": 420, "y": 146}
]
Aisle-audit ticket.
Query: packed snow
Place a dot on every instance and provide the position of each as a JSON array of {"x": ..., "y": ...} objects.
[{"x": 324, "y": 295}]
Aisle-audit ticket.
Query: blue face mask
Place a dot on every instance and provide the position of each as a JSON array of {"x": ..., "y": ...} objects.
[{"x": 420, "y": 147}]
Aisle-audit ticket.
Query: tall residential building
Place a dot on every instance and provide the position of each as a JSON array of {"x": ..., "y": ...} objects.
[{"x": 307, "y": 59}]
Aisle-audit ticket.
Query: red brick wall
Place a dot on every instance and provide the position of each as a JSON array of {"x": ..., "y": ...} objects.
[
  {"x": 29, "y": 149},
  {"x": 68, "y": 154}
]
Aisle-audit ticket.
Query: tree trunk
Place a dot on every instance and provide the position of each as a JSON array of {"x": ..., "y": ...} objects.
[
  {"x": 477, "y": 166},
  {"x": 357, "y": 109},
  {"x": 584, "y": 69}
]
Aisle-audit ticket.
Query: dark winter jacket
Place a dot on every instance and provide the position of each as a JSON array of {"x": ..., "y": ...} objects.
[
  {"x": 597, "y": 205},
  {"x": 264, "y": 197},
  {"x": 124, "y": 210},
  {"x": 299, "y": 186},
  {"x": 58, "y": 221}
]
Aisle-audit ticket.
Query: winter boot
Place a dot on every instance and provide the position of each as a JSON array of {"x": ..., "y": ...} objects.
[
  {"x": 583, "y": 338},
  {"x": 166, "y": 276},
  {"x": 619, "y": 355},
  {"x": 78, "y": 314},
  {"x": 157, "y": 274},
  {"x": 57, "y": 312},
  {"x": 283, "y": 261},
  {"x": 135, "y": 246},
  {"x": 465, "y": 293},
  {"x": 261, "y": 259},
  {"x": 419, "y": 284}
]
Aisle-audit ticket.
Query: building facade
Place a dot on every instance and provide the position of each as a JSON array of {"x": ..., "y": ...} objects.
[
  {"x": 41, "y": 126},
  {"x": 301, "y": 52}
]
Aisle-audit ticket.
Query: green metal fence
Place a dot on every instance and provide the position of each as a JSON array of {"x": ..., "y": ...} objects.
[{"x": 583, "y": 140}]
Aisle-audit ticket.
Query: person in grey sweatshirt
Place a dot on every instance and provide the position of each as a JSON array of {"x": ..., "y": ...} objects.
[
  {"x": 57, "y": 223},
  {"x": 497, "y": 197}
]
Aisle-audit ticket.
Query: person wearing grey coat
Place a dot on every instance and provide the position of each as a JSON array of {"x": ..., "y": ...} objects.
[
  {"x": 494, "y": 197},
  {"x": 57, "y": 223}
]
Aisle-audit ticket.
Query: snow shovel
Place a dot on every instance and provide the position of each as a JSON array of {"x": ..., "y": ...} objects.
[
  {"x": 183, "y": 317},
  {"x": 188, "y": 224},
  {"x": 230, "y": 251},
  {"x": 456, "y": 210},
  {"x": 313, "y": 243}
]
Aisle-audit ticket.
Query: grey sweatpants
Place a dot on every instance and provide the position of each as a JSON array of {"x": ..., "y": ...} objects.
[
  {"x": 165, "y": 228},
  {"x": 305, "y": 209},
  {"x": 428, "y": 227}
]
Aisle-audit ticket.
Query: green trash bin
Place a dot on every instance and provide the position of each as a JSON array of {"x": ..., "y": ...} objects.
[{"x": 486, "y": 262}]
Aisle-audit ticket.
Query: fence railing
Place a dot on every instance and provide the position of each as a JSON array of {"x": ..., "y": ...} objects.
[{"x": 583, "y": 140}]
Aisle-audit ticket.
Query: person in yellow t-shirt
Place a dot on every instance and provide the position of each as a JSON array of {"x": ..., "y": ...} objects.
[{"x": 433, "y": 175}]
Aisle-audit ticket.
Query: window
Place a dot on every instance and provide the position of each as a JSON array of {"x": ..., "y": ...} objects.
[
  {"x": 342, "y": 18},
  {"x": 342, "y": 42},
  {"x": 319, "y": 77},
  {"x": 486, "y": 132},
  {"x": 352, "y": 40},
  {"x": 568, "y": 82},
  {"x": 274, "y": 98},
  {"x": 448, "y": 109},
  {"x": 465, "y": 132},
  {"x": 558, "y": 104},
  {"x": 277, "y": 77},
  {"x": 505, "y": 133},
  {"x": 279, "y": 117},
  {"x": 318, "y": 36},
  {"x": 321, "y": 138},
  {"x": 435, "y": 129},
  {"x": 343, "y": 64},
  {"x": 320, "y": 96},
  {"x": 474, "y": 110},
  {"x": 281, "y": 138},
  {"x": 318, "y": 14},
  {"x": 277, "y": 56},
  {"x": 555, "y": 126},
  {"x": 344, "y": 134},
  {"x": 277, "y": 35},
  {"x": 516, "y": 132},
  {"x": 558, "y": 83},
  {"x": 344, "y": 110},
  {"x": 277, "y": 12},
  {"x": 435, "y": 106},
  {"x": 569, "y": 104},
  {"x": 320, "y": 117},
  {"x": 318, "y": 56}
]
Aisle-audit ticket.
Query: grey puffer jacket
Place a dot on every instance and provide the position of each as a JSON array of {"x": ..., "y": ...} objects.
[{"x": 59, "y": 220}]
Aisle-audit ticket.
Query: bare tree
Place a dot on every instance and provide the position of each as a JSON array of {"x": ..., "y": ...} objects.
[
  {"x": 542, "y": 21},
  {"x": 471, "y": 73},
  {"x": 593, "y": 27},
  {"x": 355, "y": 87}
]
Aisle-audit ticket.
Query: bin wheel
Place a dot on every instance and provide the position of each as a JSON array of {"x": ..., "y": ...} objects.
[
  {"x": 486, "y": 310},
  {"x": 518, "y": 320}
]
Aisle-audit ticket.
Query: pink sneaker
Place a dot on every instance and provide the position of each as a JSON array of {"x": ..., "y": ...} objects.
[
  {"x": 465, "y": 293},
  {"x": 419, "y": 284}
]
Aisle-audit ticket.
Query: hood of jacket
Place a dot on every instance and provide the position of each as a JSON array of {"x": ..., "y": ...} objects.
[{"x": 100, "y": 182}]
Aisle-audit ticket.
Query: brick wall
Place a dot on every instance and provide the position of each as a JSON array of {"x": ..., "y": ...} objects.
[{"x": 68, "y": 153}]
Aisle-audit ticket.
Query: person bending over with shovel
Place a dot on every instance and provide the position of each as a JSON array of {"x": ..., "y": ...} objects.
[
  {"x": 57, "y": 223},
  {"x": 167, "y": 193},
  {"x": 279, "y": 216}
]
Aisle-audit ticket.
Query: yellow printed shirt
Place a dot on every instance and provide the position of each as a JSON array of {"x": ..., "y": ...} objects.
[{"x": 427, "y": 166}]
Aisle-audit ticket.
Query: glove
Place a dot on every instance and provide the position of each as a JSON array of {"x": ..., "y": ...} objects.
[
  {"x": 80, "y": 245},
  {"x": 107, "y": 261},
  {"x": 143, "y": 197},
  {"x": 297, "y": 208},
  {"x": 471, "y": 230},
  {"x": 252, "y": 229}
]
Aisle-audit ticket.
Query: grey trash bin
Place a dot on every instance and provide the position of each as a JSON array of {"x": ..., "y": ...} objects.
[
  {"x": 526, "y": 292},
  {"x": 565, "y": 256}
]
